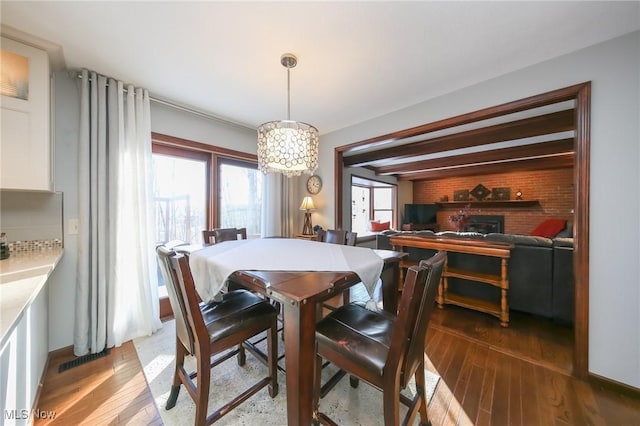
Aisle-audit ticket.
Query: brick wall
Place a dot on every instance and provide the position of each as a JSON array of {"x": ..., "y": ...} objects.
[{"x": 554, "y": 190}]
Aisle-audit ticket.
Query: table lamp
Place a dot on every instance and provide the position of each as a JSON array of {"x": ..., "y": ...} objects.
[{"x": 307, "y": 206}]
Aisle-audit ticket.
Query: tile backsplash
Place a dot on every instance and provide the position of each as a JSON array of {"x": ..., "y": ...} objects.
[{"x": 31, "y": 220}]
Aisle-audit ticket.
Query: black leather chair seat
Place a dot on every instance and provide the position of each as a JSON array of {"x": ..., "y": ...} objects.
[
  {"x": 359, "y": 335},
  {"x": 237, "y": 310}
]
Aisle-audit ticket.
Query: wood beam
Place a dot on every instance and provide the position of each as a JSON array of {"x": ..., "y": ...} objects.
[
  {"x": 503, "y": 154},
  {"x": 535, "y": 101},
  {"x": 555, "y": 122},
  {"x": 555, "y": 162}
]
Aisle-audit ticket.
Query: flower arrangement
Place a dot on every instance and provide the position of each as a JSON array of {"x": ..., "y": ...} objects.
[{"x": 461, "y": 219}]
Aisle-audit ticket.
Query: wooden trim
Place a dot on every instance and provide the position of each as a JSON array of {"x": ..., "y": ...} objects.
[
  {"x": 582, "y": 183},
  {"x": 513, "y": 204},
  {"x": 560, "y": 161},
  {"x": 62, "y": 352},
  {"x": 337, "y": 189},
  {"x": 172, "y": 140},
  {"x": 205, "y": 152},
  {"x": 555, "y": 122},
  {"x": 489, "y": 156},
  {"x": 214, "y": 191},
  {"x": 548, "y": 98},
  {"x": 581, "y": 93},
  {"x": 615, "y": 386}
]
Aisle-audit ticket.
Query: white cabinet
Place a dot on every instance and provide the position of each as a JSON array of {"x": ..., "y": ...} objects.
[
  {"x": 25, "y": 144},
  {"x": 23, "y": 358}
]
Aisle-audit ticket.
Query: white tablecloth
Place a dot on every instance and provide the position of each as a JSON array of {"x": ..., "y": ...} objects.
[{"x": 212, "y": 265}]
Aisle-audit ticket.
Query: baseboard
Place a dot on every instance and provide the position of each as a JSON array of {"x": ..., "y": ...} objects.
[
  {"x": 64, "y": 351},
  {"x": 615, "y": 386}
]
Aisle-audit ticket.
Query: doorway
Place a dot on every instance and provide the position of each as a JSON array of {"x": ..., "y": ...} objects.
[{"x": 576, "y": 119}]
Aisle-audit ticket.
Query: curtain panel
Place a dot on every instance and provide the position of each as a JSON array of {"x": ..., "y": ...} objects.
[
  {"x": 116, "y": 289},
  {"x": 278, "y": 203}
]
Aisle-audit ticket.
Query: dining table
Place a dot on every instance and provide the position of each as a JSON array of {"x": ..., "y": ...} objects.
[{"x": 300, "y": 287}]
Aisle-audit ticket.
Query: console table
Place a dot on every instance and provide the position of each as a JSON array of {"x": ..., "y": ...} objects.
[{"x": 469, "y": 246}]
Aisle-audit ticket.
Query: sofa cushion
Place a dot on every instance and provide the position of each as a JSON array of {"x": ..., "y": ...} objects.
[
  {"x": 523, "y": 240},
  {"x": 380, "y": 226},
  {"x": 549, "y": 228},
  {"x": 563, "y": 242},
  {"x": 455, "y": 234},
  {"x": 567, "y": 232}
]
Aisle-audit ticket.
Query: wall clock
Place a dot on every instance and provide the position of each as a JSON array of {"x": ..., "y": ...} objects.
[{"x": 314, "y": 184}]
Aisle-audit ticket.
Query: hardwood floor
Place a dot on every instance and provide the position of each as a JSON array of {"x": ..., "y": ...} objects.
[
  {"x": 490, "y": 376},
  {"x": 110, "y": 390},
  {"x": 530, "y": 338}
]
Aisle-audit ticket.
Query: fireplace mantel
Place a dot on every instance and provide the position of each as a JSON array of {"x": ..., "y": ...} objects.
[{"x": 491, "y": 203}]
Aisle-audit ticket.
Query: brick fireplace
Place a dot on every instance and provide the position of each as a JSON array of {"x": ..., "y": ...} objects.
[{"x": 553, "y": 189}]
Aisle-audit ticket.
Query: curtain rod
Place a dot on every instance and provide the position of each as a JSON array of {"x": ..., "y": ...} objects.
[{"x": 78, "y": 74}]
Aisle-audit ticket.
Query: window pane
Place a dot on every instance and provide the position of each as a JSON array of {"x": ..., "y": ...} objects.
[
  {"x": 241, "y": 198},
  {"x": 382, "y": 198},
  {"x": 180, "y": 198},
  {"x": 360, "y": 212},
  {"x": 383, "y": 215}
]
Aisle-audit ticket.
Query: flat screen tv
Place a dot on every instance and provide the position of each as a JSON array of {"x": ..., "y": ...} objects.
[{"x": 420, "y": 213}]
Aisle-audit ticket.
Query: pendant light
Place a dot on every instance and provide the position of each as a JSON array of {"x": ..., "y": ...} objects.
[{"x": 286, "y": 146}]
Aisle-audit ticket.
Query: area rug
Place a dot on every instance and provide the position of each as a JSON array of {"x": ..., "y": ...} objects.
[{"x": 345, "y": 405}]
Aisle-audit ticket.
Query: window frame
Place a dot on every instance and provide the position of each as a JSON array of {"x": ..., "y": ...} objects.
[
  {"x": 171, "y": 145},
  {"x": 361, "y": 182}
]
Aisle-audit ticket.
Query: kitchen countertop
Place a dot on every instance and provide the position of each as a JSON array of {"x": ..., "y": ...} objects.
[{"x": 22, "y": 276}]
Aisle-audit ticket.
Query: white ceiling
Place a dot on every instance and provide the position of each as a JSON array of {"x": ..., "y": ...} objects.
[{"x": 356, "y": 60}]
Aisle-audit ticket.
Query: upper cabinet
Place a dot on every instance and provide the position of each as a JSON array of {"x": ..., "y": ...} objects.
[{"x": 25, "y": 144}]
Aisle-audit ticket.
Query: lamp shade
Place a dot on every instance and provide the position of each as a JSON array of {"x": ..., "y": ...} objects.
[
  {"x": 307, "y": 204},
  {"x": 288, "y": 147}
]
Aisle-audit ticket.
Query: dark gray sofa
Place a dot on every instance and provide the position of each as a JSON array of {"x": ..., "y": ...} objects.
[{"x": 540, "y": 271}]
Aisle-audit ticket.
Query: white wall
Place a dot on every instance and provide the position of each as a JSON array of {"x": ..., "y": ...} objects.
[
  {"x": 613, "y": 68},
  {"x": 174, "y": 122},
  {"x": 165, "y": 120},
  {"x": 30, "y": 215}
]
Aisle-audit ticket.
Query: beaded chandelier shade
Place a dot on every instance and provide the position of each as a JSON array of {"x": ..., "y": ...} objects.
[{"x": 286, "y": 146}]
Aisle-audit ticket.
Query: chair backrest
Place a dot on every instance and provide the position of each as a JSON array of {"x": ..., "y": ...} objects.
[
  {"x": 337, "y": 236},
  {"x": 218, "y": 235},
  {"x": 176, "y": 298},
  {"x": 406, "y": 351}
]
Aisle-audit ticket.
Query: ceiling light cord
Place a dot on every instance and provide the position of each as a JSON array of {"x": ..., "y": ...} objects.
[{"x": 288, "y": 93}]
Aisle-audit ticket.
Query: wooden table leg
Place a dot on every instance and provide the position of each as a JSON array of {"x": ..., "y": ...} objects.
[
  {"x": 390, "y": 280},
  {"x": 300, "y": 351}
]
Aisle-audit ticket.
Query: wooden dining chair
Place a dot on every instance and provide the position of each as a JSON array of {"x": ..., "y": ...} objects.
[
  {"x": 206, "y": 330},
  {"x": 337, "y": 236},
  {"x": 381, "y": 349},
  {"x": 218, "y": 235}
]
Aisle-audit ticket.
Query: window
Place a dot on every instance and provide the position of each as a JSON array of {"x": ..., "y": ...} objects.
[
  {"x": 198, "y": 186},
  {"x": 240, "y": 196},
  {"x": 180, "y": 197},
  {"x": 371, "y": 200}
]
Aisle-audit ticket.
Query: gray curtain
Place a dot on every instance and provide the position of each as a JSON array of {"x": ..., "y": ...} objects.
[
  {"x": 116, "y": 289},
  {"x": 278, "y": 203}
]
